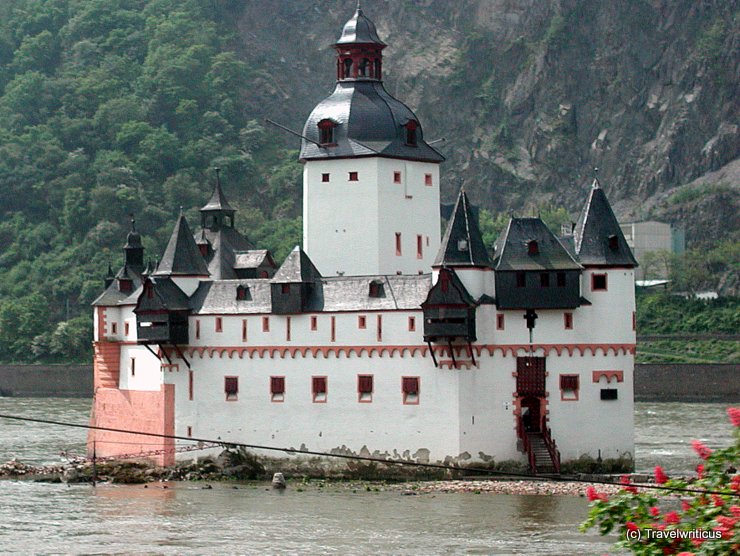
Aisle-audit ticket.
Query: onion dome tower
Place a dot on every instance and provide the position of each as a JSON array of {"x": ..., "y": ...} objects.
[{"x": 370, "y": 181}]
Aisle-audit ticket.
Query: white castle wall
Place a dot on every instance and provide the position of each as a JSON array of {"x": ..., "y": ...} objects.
[{"x": 349, "y": 227}]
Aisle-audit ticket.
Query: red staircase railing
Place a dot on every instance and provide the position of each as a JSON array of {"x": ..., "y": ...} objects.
[
  {"x": 552, "y": 447},
  {"x": 526, "y": 445}
]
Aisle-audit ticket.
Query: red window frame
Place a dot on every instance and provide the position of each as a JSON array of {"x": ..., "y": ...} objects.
[
  {"x": 287, "y": 329},
  {"x": 265, "y": 324},
  {"x": 569, "y": 387},
  {"x": 568, "y": 320},
  {"x": 113, "y": 328},
  {"x": 594, "y": 287},
  {"x": 333, "y": 334},
  {"x": 410, "y": 389},
  {"x": 314, "y": 323},
  {"x": 219, "y": 324},
  {"x": 428, "y": 180},
  {"x": 379, "y": 328},
  {"x": 500, "y": 322},
  {"x": 398, "y": 244},
  {"x": 412, "y": 324},
  {"x": 361, "y": 322},
  {"x": 396, "y": 177},
  {"x": 365, "y": 386},
  {"x": 325, "y": 178},
  {"x": 353, "y": 176},
  {"x": 231, "y": 388},
  {"x": 191, "y": 385},
  {"x": 197, "y": 329},
  {"x": 190, "y": 431},
  {"x": 419, "y": 247},
  {"x": 133, "y": 366},
  {"x": 244, "y": 330},
  {"x": 319, "y": 389},
  {"x": 277, "y": 389},
  {"x": 125, "y": 329},
  {"x": 634, "y": 320}
]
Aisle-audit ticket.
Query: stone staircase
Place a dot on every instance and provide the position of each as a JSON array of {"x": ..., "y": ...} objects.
[{"x": 542, "y": 458}]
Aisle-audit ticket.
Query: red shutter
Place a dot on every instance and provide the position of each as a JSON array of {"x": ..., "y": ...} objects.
[
  {"x": 410, "y": 384},
  {"x": 568, "y": 382}
]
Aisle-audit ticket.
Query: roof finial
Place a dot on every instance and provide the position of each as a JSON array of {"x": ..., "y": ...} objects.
[
  {"x": 596, "y": 184},
  {"x": 133, "y": 222},
  {"x": 359, "y": 7},
  {"x": 218, "y": 175},
  {"x": 180, "y": 210}
]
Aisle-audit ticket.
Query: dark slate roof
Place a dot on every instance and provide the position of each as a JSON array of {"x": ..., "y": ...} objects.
[
  {"x": 369, "y": 123},
  {"x": 218, "y": 201},
  {"x": 297, "y": 267},
  {"x": 595, "y": 224},
  {"x": 225, "y": 243},
  {"x": 110, "y": 297},
  {"x": 359, "y": 30},
  {"x": 336, "y": 294},
  {"x": 512, "y": 248},
  {"x": 167, "y": 295},
  {"x": 254, "y": 258},
  {"x": 182, "y": 257},
  {"x": 463, "y": 228}
]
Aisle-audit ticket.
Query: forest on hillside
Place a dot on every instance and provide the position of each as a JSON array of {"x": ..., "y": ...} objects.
[{"x": 112, "y": 108}]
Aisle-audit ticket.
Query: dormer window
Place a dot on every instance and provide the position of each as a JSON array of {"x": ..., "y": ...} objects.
[
  {"x": 462, "y": 245},
  {"x": 533, "y": 248},
  {"x": 613, "y": 242},
  {"x": 376, "y": 289},
  {"x": 242, "y": 293},
  {"x": 326, "y": 132},
  {"x": 411, "y": 128}
]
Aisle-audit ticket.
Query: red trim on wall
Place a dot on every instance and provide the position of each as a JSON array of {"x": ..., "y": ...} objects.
[{"x": 596, "y": 376}]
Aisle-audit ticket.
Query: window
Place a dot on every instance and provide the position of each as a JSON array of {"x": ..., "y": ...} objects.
[
  {"x": 608, "y": 393},
  {"x": 334, "y": 329},
  {"x": 411, "y": 127},
  {"x": 285, "y": 289},
  {"x": 410, "y": 390},
  {"x": 325, "y": 178},
  {"x": 363, "y": 68},
  {"x": 231, "y": 388},
  {"x": 521, "y": 279},
  {"x": 396, "y": 177},
  {"x": 362, "y": 322},
  {"x": 113, "y": 328},
  {"x": 353, "y": 176},
  {"x": 326, "y": 132},
  {"x": 428, "y": 180},
  {"x": 499, "y": 322},
  {"x": 125, "y": 329},
  {"x": 613, "y": 242},
  {"x": 634, "y": 320},
  {"x": 197, "y": 329},
  {"x": 419, "y": 247},
  {"x": 191, "y": 388},
  {"x": 533, "y": 248},
  {"x": 561, "y": 279},
  {"x": 398, "y": 244},
  {"x": 287, "y": 329},
  {"x": 380, "y": 328},
  {"x": 318, "y": 389},
  {"x": 190, "y": 431},
  {"x": 244, "y": 330},
  {"x": 568, "y": 321},
  {"x": 569, "y": 387},
  {"x": 241, "y": 293},
  {"x": 376, "y": 289},
  {"x": 365, "y": 388},
  {"x": 133, "y": 366},
  {"x": 314, "y": 323},
  {"x": 277, "y": 388},
  {"x": 347, "y": 68},
  {"x": 598, "y": 282},
  {"x": 412, "y": 324},
  {"x": 544, "y": 280},
  {"x": 265, "y": 324},
  {"x": 219, "y": 324}
]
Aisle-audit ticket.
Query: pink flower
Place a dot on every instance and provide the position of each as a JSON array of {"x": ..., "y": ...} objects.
[
  {"x": 724, "y": 531},
  {"x": 685, "y": 506},
  {"x": 735, "y": 510},
  {"x": 717, "y": 500},
  {"x": 660, "y": 476},
  {"x": 654, "y": 511},
  {"x": 726, "y": 521},
  {"x": 700, "y": 470},
  {"x": 594, "y": 495},
  {"x": 672, "y": 517},
  {"x": 625, "y": 481},
  {"x": 701, "y": 449},
  {"x": 734, "y": 414},
  {"x": 686, "y": 554},
  {"x": 735, "y": 483},
  {"x": 631, "y": 526}
]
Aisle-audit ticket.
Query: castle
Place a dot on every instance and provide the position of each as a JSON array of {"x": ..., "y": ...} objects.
[{"x": 378, "y": 337}]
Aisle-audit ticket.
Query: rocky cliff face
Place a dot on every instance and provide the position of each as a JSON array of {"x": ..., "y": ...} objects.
[{"x": 531, "y": 95}]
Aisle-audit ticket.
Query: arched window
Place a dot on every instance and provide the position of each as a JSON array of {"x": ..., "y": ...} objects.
[
  {"x": 347, "y": 68},
  {"x": 363, "y": 68},
  {"x": 411, "y": 127},
  {"x": 326, "y": 132},
  {"x": 377, "y": 68}
]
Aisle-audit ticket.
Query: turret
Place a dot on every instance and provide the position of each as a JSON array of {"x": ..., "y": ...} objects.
[
  {"x": 133, "y": 251},
  {"x": 182, "y": 260}
]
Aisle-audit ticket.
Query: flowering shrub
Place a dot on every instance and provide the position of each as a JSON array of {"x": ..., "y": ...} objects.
[{"x": 682, "y": 523}]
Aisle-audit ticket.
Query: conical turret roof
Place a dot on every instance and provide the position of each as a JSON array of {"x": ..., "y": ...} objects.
[
  {"x": 182, "y": 256},
  {"x": 359, "y": 30},
  {"x": 462, "y": 244},
  {"x": 218, "y": 201},
  {"x": 598, "y": 237}
]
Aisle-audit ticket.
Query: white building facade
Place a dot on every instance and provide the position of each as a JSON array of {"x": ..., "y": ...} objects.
[{"x": 378, "y": 338}]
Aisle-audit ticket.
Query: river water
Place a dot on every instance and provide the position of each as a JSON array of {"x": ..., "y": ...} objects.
[{"x": 38, "y": 518}]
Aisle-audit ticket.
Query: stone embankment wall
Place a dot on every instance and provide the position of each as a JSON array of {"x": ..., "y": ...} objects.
[
  {"x": 687, "y": 383},
  {"x": 653, "y": 382},
  {"x": 42, "y": 381}
]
